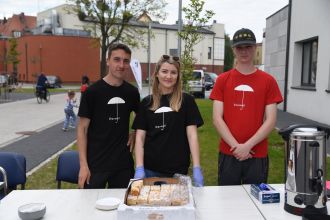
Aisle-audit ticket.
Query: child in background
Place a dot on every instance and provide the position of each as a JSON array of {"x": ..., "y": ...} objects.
[{"x": 70, "y": 116}]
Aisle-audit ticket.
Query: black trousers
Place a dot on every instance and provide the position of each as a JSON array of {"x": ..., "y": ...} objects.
[
  {"x": 234, "y": 172},
  {"x": 115, "y": 179}
]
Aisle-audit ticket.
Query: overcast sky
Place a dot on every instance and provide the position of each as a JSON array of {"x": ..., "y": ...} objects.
[{"x": 234, "y": 14}]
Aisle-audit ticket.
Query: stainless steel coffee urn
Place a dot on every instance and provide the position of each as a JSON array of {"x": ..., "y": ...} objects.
[{"x": 305, "y": 168}]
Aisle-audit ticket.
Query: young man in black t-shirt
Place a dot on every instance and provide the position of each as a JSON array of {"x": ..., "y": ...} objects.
[{"x": 104, "y": 142}]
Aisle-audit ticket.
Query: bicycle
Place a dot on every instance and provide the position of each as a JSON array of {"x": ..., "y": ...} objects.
[{"x": 40, "y": 94}]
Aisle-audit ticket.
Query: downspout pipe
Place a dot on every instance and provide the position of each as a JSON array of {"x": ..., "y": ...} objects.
[{"x": 287, "y": 58}]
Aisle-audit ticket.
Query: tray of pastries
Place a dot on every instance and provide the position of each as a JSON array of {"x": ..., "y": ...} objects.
[{"x": 157, "y": 191}]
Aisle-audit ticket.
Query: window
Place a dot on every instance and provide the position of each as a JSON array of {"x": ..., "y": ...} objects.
[
  {"x": 309, "y": 63},
  {"x": 174, "y": 52},
  {"x": 17, "y": 34},
  {"x": 219, "y": 48},
  {"x": 196, "y": 76},
  {"x": 209, "y": 53}
]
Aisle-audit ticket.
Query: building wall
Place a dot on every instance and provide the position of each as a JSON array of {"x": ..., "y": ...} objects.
[
  {"x": 275, "y": 46},
  {"x": 66, "y": 20},
  {"x": 258, "y": 56},
  {"x": 67, "y": 57},
  {"x": 163, "y": 39},
  {"x": 2, "y": 55},
  {"x": 71, "y": 57},
  {"x": 311, "y": 104}
]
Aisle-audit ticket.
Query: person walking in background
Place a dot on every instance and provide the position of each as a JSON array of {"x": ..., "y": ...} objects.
[
  {"x": 103, "y": 138},
  {"x": 166, "y": 127},
  {"x": 84, "y": 84},
  {"x": 244, "y": 113},
  {"x": 41, "y": 86},
  {"x": 70, "y": 116}
]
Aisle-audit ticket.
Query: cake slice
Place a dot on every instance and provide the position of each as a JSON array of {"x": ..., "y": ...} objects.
[
  {"x": 135, "y": 187},
  {"x": 131, "y": 199}
]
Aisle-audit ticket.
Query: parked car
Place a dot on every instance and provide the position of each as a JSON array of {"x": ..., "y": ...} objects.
[
  {"x": 210, "y": 79},
  {"x": 54, "y": 81},
  {"x": 3, "y": 80},
  {"x": 197, "y": 84}
]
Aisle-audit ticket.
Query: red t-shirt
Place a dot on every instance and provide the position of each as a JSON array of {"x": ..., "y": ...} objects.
[
  {"x": 83, "y": 87},
  {"x": 244, "y": 99}
]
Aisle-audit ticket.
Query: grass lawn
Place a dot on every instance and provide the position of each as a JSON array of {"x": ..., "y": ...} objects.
[{"x": 44, "y": 178}]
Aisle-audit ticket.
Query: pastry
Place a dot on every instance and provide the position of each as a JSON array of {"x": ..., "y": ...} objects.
[
  {"x": 131, "y": 200},
  {"x": 155, "y": 188},
  {"x": 135, "y": 187},
  {"x": 143, "y": 197},
  {"x": 154, "y": 198}
]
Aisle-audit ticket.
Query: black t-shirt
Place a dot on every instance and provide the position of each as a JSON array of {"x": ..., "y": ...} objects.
[
  {"x": 166, "y": 147},
  {"x": 108, "y": 108}
]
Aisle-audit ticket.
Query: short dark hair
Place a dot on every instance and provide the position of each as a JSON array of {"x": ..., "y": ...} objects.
[{"x": 119, "y": 46}]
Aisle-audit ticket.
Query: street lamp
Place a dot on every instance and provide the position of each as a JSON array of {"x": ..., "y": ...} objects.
[
  {"x": 149, "y": 53},
  {"x": 179, "y": 27},
  {"x": 26, "y": 63},
  {"x": 40, "y": 51}
]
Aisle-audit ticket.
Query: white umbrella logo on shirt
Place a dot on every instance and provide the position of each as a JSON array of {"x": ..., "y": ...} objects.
[
  {"x": 163, "y": 110},
  {"x": 116, "y": 101},
  {"x": 243, "y": 89}
]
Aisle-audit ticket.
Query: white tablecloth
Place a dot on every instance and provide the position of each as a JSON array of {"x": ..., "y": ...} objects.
[{"x": 212, "y": 202}]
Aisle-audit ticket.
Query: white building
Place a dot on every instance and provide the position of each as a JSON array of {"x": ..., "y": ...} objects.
[
  {"x": 307, "y": 88},
  {"x": 309, "y": 60},
  {"x": 60, "y": 20},
  {"x": 209, "y": 52}
]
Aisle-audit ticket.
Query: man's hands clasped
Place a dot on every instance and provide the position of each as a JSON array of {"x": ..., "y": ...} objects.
[{"x": 242, "y": 152}]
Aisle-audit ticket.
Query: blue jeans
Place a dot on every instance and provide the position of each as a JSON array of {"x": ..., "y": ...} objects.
[
  {"x": 151, "y": 173},
  {"x": 70, "y": 118}
]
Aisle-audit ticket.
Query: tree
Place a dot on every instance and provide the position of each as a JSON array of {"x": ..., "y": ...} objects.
[
  {"x": 191, "y": 35},
  {"x": 229, "y": 55},
  {"x": 12, "y": 55},
  {"x": 115, "y": 20}
]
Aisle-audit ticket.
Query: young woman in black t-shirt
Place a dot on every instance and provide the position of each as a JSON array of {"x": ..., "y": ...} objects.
[{"x": 166, "y": 127}]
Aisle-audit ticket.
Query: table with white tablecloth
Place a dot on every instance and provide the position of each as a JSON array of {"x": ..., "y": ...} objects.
[{"x": 212, "y": 202}]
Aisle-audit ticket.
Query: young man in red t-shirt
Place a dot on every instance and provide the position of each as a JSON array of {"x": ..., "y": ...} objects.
[{"x": 244, "y": 113}]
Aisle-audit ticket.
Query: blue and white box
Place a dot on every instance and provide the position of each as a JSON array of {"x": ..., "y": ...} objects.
[{"x": 265, "y": 193}]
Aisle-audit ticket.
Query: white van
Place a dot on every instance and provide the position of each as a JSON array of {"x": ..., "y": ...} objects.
[{"x": 197, "y": 84}]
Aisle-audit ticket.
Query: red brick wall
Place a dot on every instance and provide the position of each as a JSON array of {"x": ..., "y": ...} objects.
[
  {"x": 65, "y": 56},
  {"x": 2, "y": 55}
]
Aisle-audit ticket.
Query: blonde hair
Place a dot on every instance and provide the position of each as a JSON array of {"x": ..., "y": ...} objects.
[{"x": 176, "y": 97}]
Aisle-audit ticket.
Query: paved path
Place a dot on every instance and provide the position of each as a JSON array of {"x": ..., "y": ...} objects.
[
  {"x": 28, "y": 116},
  {"x": 44, "y": 144}
]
